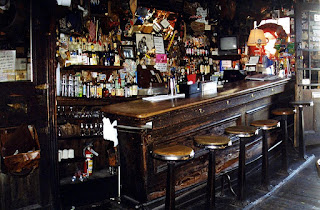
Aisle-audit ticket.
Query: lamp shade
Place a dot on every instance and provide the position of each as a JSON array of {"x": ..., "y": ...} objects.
[{"x": 256, "y": 38}]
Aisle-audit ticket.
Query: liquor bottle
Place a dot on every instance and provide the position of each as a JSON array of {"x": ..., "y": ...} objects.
[
  {"x": 91, "y": 129},
  {"x": 92, "y": 90},
  {"x": 87, "y": 130},
  {"x": 127, "y": 91},
  {"x": 76, "y": 86},
  {"x": 134, "y": 92},
  {"x": 88, "y": 90},
  {"x": 70, "y": 86},
  {"x": 84, "y": 89},
  {"x": 105, "y": 91},
  {"x": 113, "y": 91},
  {"x": 121, "y": 92},
  {"x": 111, "y": 55},
  {"x": 82, "y": 131},
  {"x": 104, "y": 60},
  {"x": 116, "y": 55},
  {"x": 80, "y": 89},
  {"x": 95, "y": 90},
  {"x": 96, "y": 129},
  {"x": 99, "y": 89},
  {"x": 107, "y": 59},
  {"x": 64, "y": 85},
  {"x": 118, "y": 85}
]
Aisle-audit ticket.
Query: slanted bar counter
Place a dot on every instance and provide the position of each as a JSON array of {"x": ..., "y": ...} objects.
[{"x": 144, "y": 126}]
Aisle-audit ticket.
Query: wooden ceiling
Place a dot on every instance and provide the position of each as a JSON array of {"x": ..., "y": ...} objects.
[
  {"x": 222, "y": 8},
  {"x": 227, "y": 16}
]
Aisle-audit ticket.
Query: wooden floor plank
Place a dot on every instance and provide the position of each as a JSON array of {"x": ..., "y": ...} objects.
[
  {"x": 278, "y": 203},
  {"x": 301, "y": 192}
]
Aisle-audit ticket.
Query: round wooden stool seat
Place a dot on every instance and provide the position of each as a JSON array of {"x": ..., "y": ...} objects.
[
  {"x": 283, "y": 111},
  {"x": 266, "y": 124},
  {"x": 241, "y": 130},
  {"x": 176, "y": 152},
  {"x": 212, "y": 142}
]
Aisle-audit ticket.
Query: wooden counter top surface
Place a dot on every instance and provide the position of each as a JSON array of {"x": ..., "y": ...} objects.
[{"x": 143, "y": 109}]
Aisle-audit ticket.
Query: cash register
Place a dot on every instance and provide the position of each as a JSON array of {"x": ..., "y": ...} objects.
[
  {"x": 150, "y": 81},
  {"x": 231, "y": 74}
]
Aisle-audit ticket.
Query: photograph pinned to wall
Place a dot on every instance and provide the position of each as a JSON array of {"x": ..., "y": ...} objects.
[{"x": 144, "y": 43}]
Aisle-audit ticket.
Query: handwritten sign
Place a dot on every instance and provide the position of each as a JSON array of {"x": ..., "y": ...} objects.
[
  {"x": 158, "y": 44},
  {"x": 7, "y": 65}
]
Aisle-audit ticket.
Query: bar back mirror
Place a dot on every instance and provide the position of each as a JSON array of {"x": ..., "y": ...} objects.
[{"x": 15, "y": 41}]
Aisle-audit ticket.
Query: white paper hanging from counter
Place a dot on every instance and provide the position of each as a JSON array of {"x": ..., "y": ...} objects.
[{"x": 110, "y": 131}]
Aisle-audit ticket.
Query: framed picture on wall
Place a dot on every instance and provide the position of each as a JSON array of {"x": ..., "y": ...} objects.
[
  {"x": 128, "y": 52},
  {"x": 144, "y": 43}
]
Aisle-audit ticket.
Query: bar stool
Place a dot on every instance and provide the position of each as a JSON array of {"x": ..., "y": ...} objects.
[
  {"x": 265, "y": 125},
  {"x": 212, "y": 143},
  {"x": 172, "y": 154},
  {"x": 283, "y": 113},
  {"x": 302, "y": 145},
  {"x": 318, "y": 167},
  {"x": 244, "y": 133}
]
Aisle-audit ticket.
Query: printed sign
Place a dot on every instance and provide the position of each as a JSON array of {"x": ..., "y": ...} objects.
[
  {"x": 161, "y": 62},
  {"x": 7, "y": 65}
]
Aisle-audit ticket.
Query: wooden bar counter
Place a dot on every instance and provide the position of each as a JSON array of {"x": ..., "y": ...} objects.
[{"x": 144, "y": 126}]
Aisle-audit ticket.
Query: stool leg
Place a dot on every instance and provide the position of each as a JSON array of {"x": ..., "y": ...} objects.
[
  {"x": 222, "y": 185},
  {"x": 211, "y": 180},
  {"x": 284, "y": 125},
  {"x": 170, "y": 195},
  {"x": 302, "y": 147},
  {"x": 242, "y": 171},
  {"x": 265, "y": 163}
]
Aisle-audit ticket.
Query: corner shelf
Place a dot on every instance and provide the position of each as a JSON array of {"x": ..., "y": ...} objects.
[
  {"x": 73, "y": 160},
  {"x": 226, "y": 57},
  {"x": 74, "y": 101},
  {"x": 97, "y": 137},
  {"x": 99, "y": 174},
  {"x": 91, "y": 68}
]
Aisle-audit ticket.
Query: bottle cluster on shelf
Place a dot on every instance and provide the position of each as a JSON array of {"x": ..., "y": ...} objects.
[
  {"x": 78, "y": 112},
  {"x": 78, "y": 121},
  {"x": 195, "y": 51},
  {"x": 199, "y": 65},
  {"x": 83, "y": 51},
  {"x": 96, "y": 85},
  {"x": 196, "y": 46},
  {"x": 84, "y": 129},
  {"x": 91, "y": 129}
]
